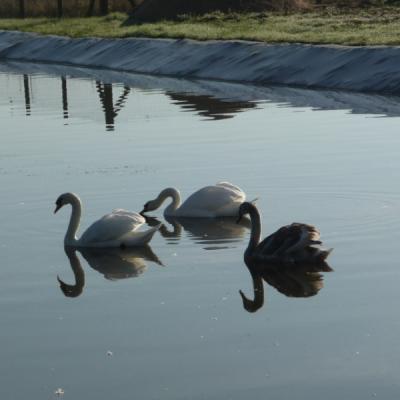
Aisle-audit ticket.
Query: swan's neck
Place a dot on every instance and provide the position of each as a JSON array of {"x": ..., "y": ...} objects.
[
  {"x": 70, "y": 237},
  {"x": 255, "y": 230},
  {"x": 175, "y": 203}
]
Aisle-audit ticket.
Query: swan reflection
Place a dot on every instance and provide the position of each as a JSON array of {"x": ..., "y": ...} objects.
[
  {"x": 112, "y": 263},
  {"x": 211, "y": 233},
  {"x": 292, "y": 281},
  {"x": 76, "y": 289}
]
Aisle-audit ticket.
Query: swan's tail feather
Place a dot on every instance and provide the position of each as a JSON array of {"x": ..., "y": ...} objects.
[
  {"x": 324, "y": 267},
  {"x": 325, "y": 253},
  {"x": 139, "y": 238}
]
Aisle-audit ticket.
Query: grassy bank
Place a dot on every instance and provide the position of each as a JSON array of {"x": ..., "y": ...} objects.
[{"x": 375, "y": 26}]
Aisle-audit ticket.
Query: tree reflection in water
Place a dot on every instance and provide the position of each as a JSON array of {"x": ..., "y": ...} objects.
[
  {"x": 111, "y": 110},
  {"x": 204, "y": 105}
]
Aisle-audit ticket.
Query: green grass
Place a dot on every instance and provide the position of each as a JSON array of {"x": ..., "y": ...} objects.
[{"x": 376, "y": 26}]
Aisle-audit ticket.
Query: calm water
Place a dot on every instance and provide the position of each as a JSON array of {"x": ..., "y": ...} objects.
[{"x": 169, "y": 323}]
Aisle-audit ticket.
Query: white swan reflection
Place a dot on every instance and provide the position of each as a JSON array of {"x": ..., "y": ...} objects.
[
  {"x": 299, "y": 281},
  {"x": 211, "y": 233},
  {"x": 112, "y": 263}
]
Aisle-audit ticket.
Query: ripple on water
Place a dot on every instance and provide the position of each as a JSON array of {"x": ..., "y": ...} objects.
[{"x": 349, "y": 214}]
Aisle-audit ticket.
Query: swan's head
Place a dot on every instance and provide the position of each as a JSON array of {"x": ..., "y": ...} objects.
[
  {"x": 244, "y": 209},
  {"x": 164, "y": 194},
  {"x": 65, "y": 198},
  {"x": 150, "y": 206}
]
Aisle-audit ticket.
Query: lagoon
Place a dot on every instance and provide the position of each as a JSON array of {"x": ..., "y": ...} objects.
[{"x": 171, "y": 324}]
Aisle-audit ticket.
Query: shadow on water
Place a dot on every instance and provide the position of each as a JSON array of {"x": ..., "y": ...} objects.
[
  {"x": 212, "y": 100},
  {"x": 113, "y": 263},
  {"x": 290, "y": 280},
  {"x": 210, "y": 233}
]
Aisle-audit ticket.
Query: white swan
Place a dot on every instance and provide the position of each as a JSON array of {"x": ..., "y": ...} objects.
[
  {"x": 220, "y": 200},
  {"x": 291, "y": 244},
  {"x": 117, "y": 229}
]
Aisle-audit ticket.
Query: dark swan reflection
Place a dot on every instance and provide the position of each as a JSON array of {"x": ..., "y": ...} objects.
[
  {"x": 113, "y": 263},
  {"x": 291, "y": 280},
  {"x": 211, "y": 233}
]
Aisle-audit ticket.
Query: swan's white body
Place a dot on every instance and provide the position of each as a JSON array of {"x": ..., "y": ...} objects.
[
  {"x": 116, "y": 229},
  {"x": 220, "y": 200}
]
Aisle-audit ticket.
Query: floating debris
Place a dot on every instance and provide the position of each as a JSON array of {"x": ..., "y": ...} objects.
[
  {"x": 59, "y": 392},
  {"x": 110, "y": 353}
]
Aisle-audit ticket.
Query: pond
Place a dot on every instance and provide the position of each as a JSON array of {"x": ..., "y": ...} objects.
[{"x": 168, "y": 322}]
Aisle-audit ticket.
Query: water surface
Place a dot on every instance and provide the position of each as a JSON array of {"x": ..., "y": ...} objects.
[{"x": 168, "y": 322}]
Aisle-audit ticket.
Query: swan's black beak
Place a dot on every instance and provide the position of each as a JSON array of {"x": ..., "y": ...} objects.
[{"x": 58, "y": 206}]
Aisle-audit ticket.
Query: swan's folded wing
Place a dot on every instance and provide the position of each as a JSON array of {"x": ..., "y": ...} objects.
[
  {"x": 112, "y": 226},
  {"x": 232, "y": 187},
  {"x": 214, "y": 198},
  {"x": 290, "y": 238},
  {"x": 135, "y": 217},
  {"x": 274, "y": 241}
]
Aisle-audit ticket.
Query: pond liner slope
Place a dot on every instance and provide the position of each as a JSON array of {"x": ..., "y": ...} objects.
[{"x": 364, "y": 69}]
